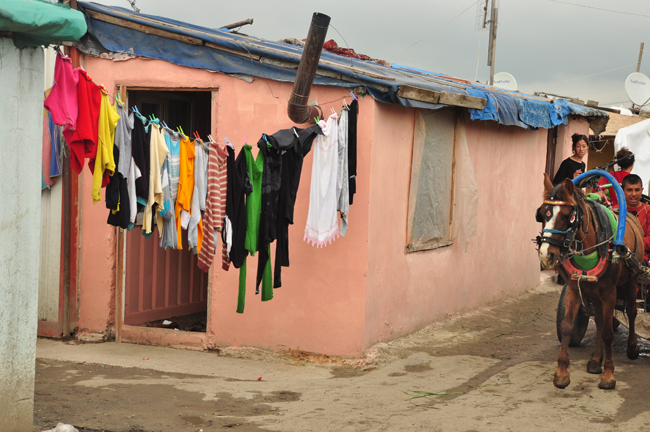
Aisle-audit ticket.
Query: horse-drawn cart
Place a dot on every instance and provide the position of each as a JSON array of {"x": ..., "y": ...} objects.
[
  {"x": 581, "y": 323},
  {"x": 600, "y": 256}
]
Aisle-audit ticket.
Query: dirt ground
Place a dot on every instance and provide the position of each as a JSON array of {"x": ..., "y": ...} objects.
[{"x": 489, "y": 370}]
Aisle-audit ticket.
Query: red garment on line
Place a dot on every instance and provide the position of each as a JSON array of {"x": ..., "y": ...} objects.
[
  {"x": 62, "y": 100},
  {"x": 215, "y": 208},
  {"x": 83, "y": 141}
]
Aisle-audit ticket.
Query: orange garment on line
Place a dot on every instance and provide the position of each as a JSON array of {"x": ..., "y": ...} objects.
[{"x": 185, "y": 184}]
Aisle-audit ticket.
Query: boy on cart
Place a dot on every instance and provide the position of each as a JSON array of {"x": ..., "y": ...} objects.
[{"x": 633, "y": 189}]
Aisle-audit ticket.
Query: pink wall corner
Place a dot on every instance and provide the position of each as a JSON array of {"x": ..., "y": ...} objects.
[
  {"x": 409, "y": 291},
  {"x": 564, "y": 149},
  {"x": 97, "y": 260},
  {"x": 321, "y": 304}
]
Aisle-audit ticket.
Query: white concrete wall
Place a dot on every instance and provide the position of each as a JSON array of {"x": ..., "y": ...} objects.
[{"x": 21, "y": 129}]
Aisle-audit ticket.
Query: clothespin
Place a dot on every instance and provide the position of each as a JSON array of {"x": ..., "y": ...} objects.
[
  {"x": 180, "y": 129},
  {"x": 210, "y": 138},
  {"x": 228, "y": 142},
  {"x": 164, "y": 124},
  {"x": 268, "y": 144},
  {"x": 333, "y": 112},
  {"x": 295, "y": 132},
  {"x": 118, "y": 99},
  {"x": 345, "y": 103},
  {"x": 354, "y": 96},
  {"x": 135, "y": 110},
  {"x": 316, "y": 119},
  {"x": 196, "y": 135},
  {"x": 245, "y": 141}
]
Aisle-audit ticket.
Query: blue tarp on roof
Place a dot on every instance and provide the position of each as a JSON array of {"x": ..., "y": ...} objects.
[{"x": 382, "y": 82}]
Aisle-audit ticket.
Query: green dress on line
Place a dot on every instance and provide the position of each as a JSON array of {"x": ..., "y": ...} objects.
[{"x": 253, "y": 212}]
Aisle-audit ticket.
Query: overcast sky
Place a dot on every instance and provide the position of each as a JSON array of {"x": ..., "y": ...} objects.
[{"x": 547, "y": 45}]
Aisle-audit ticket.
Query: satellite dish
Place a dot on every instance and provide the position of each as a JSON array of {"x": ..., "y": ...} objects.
[
  {"x": 505, "y": 81},
  {"x": 637, "y": 87}
]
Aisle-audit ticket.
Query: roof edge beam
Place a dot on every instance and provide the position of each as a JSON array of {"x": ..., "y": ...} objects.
[{"x": 441, "y": 97}]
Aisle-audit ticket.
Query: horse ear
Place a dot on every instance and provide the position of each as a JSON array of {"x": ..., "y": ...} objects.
[
  {"x": 568, "y": 185},
  {"x": 548, "y": 184}
]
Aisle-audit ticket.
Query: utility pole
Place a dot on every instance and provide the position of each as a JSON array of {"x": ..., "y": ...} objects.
[
  {"x": 638, "y": 65},
  {"x": 494, "y": 18}
]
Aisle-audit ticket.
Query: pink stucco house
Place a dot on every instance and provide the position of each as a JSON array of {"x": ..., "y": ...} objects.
[{"x": 449, "y": 176}]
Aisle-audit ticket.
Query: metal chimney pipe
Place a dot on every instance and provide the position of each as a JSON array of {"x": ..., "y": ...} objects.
[{"x": 298, "y": 110}]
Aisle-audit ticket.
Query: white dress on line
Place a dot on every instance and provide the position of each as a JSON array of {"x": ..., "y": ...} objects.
[{"x": 322, "y": 220}]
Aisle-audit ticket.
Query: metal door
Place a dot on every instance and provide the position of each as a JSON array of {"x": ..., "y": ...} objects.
[{"x": 161, "y": 283}]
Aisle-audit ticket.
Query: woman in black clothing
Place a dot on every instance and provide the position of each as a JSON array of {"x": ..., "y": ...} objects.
[{"x": 573, "y": 166}]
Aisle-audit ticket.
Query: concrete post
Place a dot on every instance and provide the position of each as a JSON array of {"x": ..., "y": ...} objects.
[{"x": 21, "y": 137}]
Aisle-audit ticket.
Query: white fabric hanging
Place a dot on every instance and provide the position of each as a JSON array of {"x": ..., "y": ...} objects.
[
  {"x": 637, "y": 139},
  {"x": 342, "y": 178},
  {"x": 134, "y": 174},
  {"x": 322, "y": 220}
]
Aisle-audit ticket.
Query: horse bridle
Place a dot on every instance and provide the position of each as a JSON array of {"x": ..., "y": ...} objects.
[{"x": 575, "y": 219}]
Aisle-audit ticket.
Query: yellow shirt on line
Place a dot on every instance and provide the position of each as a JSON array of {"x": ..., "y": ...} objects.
[{"x": 108, "y": 118}]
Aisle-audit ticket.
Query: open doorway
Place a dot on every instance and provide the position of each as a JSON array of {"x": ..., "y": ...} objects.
[{"x": 164, "y": 288}]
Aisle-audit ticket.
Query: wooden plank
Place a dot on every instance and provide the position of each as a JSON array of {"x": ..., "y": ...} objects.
[
  {"x": 441, "y": 97},
  {"x": 466, "y": 101},
  {"x": 418, "y": 94},
  {"x": 143, "y": 28},
  {"x": 428, "y": 246}
]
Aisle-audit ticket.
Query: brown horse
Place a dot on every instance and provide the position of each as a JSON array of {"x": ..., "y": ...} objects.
[{"x": 565, "y": 215}]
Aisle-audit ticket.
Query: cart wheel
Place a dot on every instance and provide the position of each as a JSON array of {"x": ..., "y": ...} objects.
[{"x": 579, "y": 326}]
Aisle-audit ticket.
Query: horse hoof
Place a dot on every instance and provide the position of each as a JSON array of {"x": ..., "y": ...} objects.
[
  {"x": 561, "y": 382},
  {"x": 593, "y": 367},
  {"x": 607, "y": 384},
  {"x": 633, "y": 353}
]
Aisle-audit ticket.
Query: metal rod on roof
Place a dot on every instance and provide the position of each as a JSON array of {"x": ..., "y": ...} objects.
[
  {"x": 297, "y": 109},
  {"x": 238, "y": 24},
  {"x": 638, "y": 65}
]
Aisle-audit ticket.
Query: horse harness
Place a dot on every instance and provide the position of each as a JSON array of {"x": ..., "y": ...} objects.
[
  {"x": 575, "y": 220},
  {"x": 604, "y": 235}
]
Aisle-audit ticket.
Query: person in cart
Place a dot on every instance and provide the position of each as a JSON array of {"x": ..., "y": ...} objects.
[
  {"x": 633, "y": 189},
  {"x": 625, "y": 161}
]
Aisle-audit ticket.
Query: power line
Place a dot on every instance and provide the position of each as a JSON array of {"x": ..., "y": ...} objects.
[
  {"x": 598, "y": 73},
  {"x": 415, "y": 43},
  {"x": 602, "y": 9}
]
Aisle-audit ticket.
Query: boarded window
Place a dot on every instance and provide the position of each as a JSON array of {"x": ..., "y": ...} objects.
[{"x": 431, "y": 180}]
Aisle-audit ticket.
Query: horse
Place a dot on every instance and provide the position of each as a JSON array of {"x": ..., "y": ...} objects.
[{"x": 568, "y": 222}]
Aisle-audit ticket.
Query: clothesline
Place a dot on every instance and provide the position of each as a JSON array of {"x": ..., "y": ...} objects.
[{"x": 204, "y": 187}]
